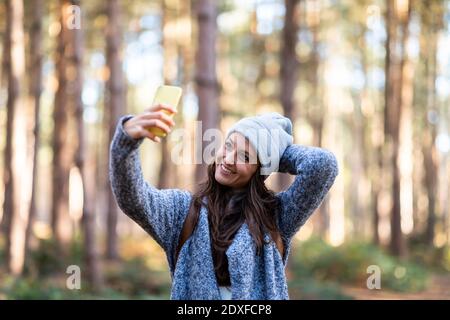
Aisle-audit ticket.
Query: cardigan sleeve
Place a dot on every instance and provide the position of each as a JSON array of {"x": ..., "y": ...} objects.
[
  {"x": 315, "y": 170},
  {"x": 160, "y": 213}
]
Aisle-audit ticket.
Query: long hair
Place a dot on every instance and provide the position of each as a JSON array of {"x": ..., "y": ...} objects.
[{"x": 229, "y": 209}]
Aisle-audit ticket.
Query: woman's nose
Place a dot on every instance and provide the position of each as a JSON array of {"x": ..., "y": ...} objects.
[{"x": 229, "y": 157}]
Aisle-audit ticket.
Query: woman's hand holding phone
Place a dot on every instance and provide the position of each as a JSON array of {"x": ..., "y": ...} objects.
[{"x": 158, "y": 116}]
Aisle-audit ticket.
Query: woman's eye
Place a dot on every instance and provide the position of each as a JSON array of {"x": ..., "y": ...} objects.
[
  {"x": 227, "y": 145},
  {"x": 243, "y": 157}
]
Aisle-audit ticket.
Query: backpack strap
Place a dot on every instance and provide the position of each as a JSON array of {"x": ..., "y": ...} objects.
[
  {"x": 276, "y": 237},
  {"x": 189, "y": 225}
]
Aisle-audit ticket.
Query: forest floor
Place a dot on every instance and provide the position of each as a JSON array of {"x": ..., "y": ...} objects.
[{"x": 438, "y": 289}]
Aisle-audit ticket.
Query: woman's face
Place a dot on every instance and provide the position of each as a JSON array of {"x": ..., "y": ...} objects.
[{"x": 236, "y": 162}]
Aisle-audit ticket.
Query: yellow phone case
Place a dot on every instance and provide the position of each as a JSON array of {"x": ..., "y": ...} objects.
[{"x": 168, "y": 95}]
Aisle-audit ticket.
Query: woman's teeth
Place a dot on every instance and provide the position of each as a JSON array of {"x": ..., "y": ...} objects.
[{"x": 225, "y": 169}]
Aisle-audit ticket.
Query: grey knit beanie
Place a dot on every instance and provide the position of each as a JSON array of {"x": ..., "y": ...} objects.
[{"x": 269, "y": 134}]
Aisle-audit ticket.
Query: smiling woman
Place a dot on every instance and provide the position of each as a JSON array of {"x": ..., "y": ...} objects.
[
  {"x": 234, "y": 234},
  {"x": 236, "y": 191}
]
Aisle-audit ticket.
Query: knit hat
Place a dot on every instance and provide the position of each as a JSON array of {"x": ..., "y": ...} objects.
[{"x": 269, "y": 134}]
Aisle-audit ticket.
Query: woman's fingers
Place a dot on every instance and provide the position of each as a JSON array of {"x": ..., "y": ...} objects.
[
  {"x": 147, "y": 134},
  {"x": 145, "y": 123},
  {"x": 156, "y": 116},
  {"x": 159, "y": 115},
  {"x": 161, "y": 106}
]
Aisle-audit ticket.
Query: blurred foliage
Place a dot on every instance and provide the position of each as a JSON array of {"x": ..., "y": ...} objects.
[
  {"x": 134, "y": 278},
  {"x": 317, "y": 270},
  {"x": 46, "y": 259},
  {"x": 45, "y": 275},
  {"x": 436, "y": 258},
  {"x": 347, "y": 264},
  {"x": 311, "y": 289}
]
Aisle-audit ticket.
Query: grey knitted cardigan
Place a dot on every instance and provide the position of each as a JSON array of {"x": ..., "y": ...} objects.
[{"x": 161, "y": 213}]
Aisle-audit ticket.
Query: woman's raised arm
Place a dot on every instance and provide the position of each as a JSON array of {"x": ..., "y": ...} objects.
[
  {"x": 315, "y": 170},
  {"x": 159, "y": 212}
]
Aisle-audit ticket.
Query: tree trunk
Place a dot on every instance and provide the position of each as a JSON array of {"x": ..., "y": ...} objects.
[
  {"x": 430, "y": 165},
  {"x": 206, "y": 79},
  {"x": 288, "y": 68},
  {"x": 186, "y": 56},
  {"x": 3, "y": 71},
  {"x": 74, "y": 58},
  {"x": 431, "y": 23},
  {"x": 7, "y": 201},
  {"x": 63, "y": 137},
  {"x": 376, "y": 187},
  {"x": 362, "y": 125},
  {"x": 316, "y": 115},
  {"x": 114, "y": 108},
  {"x": 170, "y": 59},
  {"x": 35, "y": 88},
  {"x": 16, "y": 202},
  {"x": 394, "y": 86}
]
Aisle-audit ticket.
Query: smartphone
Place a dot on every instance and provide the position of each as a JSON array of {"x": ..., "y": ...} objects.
[{"x": 168, "y": 95}]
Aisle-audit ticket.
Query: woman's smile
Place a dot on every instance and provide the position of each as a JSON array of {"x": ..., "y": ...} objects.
[{"x": 225, "y": 170}]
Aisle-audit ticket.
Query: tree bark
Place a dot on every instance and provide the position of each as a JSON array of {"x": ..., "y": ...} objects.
[
  {"x": 206, "y": 78},
  {"x": 431, "y": 15},
  {"x": 63, "y": 137},
  {"x": 376, "y": 187},
  {"x": 74, "y": 58},
  {"x": 114, "y": 108},
  {"x": 35, "y": 88},
  {"x": 394, "y": 85},
  {"x": 7, "y": 201},
  {"x": 170, "y": 58},
  {"x": 16, "y": 202},
  {"x": 289, "y": 66}
]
